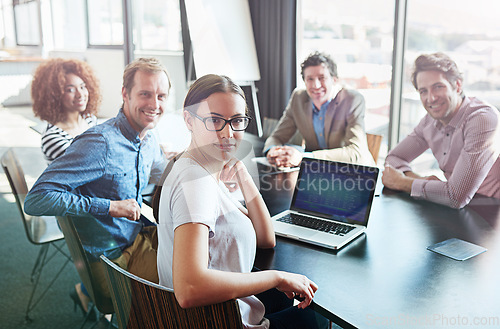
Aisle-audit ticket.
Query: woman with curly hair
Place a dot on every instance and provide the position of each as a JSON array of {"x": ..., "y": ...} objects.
[{"x": 66, "y": 94}]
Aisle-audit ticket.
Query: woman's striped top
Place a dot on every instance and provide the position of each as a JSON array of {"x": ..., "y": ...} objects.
[{"x": 55, "y": 140}]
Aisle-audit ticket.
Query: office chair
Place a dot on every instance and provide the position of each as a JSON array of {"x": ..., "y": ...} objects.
[
  {"x": 103, "y": 303},
  {"x": 374, "y": 142},
  {"x": 40, "y": 230},
  {"x": 146, "y": 305}
]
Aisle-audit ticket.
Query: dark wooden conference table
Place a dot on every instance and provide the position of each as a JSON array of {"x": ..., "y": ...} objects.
[{"x": 387, "y": 278}]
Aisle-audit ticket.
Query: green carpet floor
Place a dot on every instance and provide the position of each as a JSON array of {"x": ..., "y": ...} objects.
[{"x": 17, "y": 257}]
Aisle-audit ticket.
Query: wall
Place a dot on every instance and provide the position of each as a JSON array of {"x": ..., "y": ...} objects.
[{"x": 108, "y": 65}]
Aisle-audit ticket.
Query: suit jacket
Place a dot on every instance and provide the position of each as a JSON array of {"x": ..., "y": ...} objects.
[{"x": 344, "y": 127}]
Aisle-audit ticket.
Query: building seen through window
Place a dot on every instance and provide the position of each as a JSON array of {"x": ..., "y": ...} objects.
[
  {"x": 358, "y": 35},
  {"x": 467, "y": 31}
]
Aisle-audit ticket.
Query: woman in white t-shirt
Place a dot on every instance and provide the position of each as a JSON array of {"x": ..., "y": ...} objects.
[
  {"x": 207, "y": 239},
  {"x": 66, "y": 95}
]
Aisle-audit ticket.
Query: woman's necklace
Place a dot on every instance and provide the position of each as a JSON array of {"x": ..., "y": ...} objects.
[{"x": 199, "y": 163}]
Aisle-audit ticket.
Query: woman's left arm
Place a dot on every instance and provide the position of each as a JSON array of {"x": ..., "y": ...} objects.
[{"x": 235, "y": 171}]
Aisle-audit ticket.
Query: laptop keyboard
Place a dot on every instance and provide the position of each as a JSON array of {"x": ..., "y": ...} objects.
[{"x": 317, "y": 224}]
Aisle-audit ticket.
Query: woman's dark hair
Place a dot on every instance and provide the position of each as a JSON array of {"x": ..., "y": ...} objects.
[
  {"x": 200, "y": 90},
  {"x": 47, "y": 88},
  {"x": 210, "y": 84}
]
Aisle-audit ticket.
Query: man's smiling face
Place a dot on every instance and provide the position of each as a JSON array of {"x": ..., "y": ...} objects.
[
  {"x": 319, "y": 83},
  {"x": 147, "y": 100},
  {"x": 440, "y": 98}
]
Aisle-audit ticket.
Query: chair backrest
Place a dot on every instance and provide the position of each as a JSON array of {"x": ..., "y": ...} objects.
[
  {"x": 374, "y": 142},
  {"x": 39, "y": 230},
  {"x": 103, "y": 303},
  {"x": 15, "y": 176},
  {"x": 146, "y": 305}
]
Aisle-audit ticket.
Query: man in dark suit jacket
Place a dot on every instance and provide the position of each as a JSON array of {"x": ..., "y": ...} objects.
[{"x": 328, "y": 116}]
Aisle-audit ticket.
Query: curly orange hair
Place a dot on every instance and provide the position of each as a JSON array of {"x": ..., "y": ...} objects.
[{"x": 47, "y": 88}]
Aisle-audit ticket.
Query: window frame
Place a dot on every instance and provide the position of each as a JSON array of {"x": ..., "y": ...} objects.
[
  {"x": 104, "y": 46},
  {"x": 17, "y": 19}
]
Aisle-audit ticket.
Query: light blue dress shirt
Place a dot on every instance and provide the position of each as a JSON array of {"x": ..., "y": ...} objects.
[
  {"x": 319, "y": 129},
  {"x": 319, "y": 123},
  {"x": 107, "y": 162}
]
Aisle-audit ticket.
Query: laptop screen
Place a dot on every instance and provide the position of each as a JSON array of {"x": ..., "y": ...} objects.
[{"x": 335, "y": 190}]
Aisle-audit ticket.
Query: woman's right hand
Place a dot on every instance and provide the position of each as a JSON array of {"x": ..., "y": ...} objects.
[
  {"x": 297, "y": 285},
  {"x": 234, "y": 171}
]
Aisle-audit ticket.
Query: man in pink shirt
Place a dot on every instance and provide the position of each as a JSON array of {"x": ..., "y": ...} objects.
[{"x": 462, "y": 132}]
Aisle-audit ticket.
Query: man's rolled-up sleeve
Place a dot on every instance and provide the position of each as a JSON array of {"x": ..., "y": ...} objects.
[{"x": 53, "y": 193}]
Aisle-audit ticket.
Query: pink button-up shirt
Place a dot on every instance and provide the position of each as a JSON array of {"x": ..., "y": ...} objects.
[{"x": 467, "y": 151}]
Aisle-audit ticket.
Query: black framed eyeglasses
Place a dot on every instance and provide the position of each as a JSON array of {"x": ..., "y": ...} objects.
[{"x": 217, "y": 124}]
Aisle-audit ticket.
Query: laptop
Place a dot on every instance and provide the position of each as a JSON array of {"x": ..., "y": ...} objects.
[{"x": 331, "y": 203}]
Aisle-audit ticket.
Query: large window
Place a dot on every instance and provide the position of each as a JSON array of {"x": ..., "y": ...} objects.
[
  {"x": 157, "y": 25},
  {"x": 105, "y": 22},
  {"x": 27, "y": 22},
  {"x": 7, "y": 33},
  {"x": 68, "y": 24},
  {"x": 358, "y": 34},
  {"x": 467, "y": 31}
]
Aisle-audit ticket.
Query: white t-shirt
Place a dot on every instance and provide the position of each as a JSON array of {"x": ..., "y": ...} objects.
[{"x": 191, "y": 195}]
